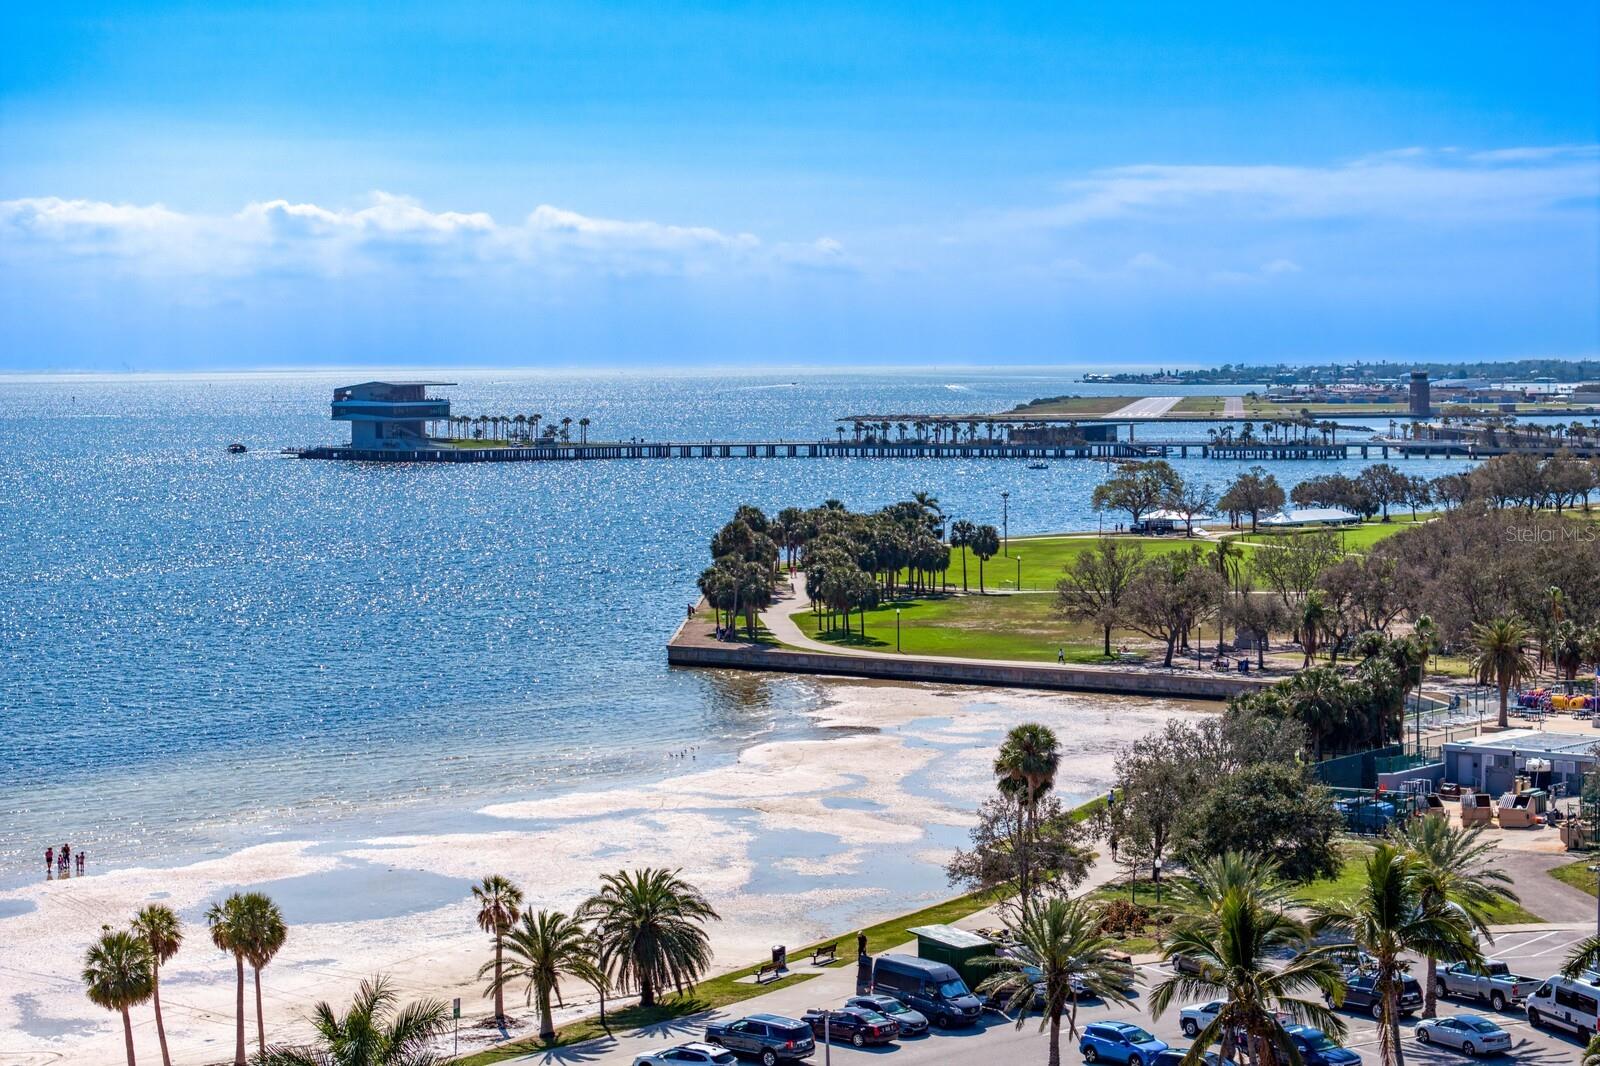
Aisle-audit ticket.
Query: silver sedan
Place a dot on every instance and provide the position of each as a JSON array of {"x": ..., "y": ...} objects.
[{"x": 1465, "y": 1032}]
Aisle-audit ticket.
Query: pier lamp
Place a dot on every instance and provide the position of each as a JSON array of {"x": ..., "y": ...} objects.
[
  {"x": 897, "y": 630},
  {"x": 1005, "y": 523}
]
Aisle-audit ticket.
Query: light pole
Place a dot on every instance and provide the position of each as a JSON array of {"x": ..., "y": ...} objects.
[
  {"x": 1158, "y": 880},
  {"x": 1019, "y": 573},
  {"x": 1595, "y": 869},
  {"x": 897, "y": 629},
  {"x": 1005, "y": 523}
]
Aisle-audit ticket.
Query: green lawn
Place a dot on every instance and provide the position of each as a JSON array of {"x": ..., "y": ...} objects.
[
  {"x": 1357, "y": 538},
  {"x": 1086, "y": 406},
  {"x": 1577, "y": 874},
  {"x": 1022, "y": 626},
  {"x": 1044, "y": 558},
  {"x": 1200, "y": 405}
]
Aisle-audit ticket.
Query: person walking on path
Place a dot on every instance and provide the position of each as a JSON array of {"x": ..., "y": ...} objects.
[{"x": 49, "y": 862}]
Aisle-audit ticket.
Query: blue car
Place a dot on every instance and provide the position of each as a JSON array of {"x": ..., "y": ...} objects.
[
  {"x": 1318, "y": 1048},
  {"x": 1121, "y": 1042}
]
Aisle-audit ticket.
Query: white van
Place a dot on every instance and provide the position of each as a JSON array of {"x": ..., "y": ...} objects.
[{"x": 1565, "y": 1001}]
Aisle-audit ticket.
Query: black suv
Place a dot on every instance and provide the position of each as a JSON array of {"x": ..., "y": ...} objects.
[
  {"x": 1360, "y": 993},
  {"x": 768, "y": 1037}
]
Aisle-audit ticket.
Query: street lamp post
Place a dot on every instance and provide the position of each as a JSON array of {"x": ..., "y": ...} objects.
[
  {"x": 1019, "y": 573},
  {"x": 1595, "y": 869},
  {"x": 897, "y": 629},
  {"x": 1158, "y": 880},
  {"x": 1005, "y": 523}
]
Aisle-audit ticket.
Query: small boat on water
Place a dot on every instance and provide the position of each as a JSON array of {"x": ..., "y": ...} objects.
[
  {"x": 236, "y": 448},
  {"x": 1038, "y": 464}
]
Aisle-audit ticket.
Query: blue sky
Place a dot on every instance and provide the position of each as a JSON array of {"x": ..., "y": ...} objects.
[{"x": 192, "y": 186}]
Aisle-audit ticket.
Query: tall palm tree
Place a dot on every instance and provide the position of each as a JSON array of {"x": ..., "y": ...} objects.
[
  {"x": 1030, "y": 756},
  {"x": 961, "y": 534},
  {"x": 1316, "y": 698},
  {"x": 650, "y": 929},
  {"x": 583, "y": 431},
  {"x": 227, "y": 924},
  {"x": 1314, "y": 617},
  {"x": 264, "y": 933},
  {"x": 1234, "y": 943},
  {"x": 1062, "y": 945},
  {"x": 1389, "y": 917},
  {"x": 1500, "y": 657},
  {"x": 544, "y": 948},
  {"x": 119, "y": 974},
  {"x": 158, "y": 926},
  {"x": 499, "y": 902},
  {"x": 375, "y": 1031},
  {"x": 1454, "y": 868}
]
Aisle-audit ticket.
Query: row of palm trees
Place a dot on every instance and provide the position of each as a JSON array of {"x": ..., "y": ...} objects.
[
  {"x": 642, "y": 931},
  {"x": 122, "y": 969},
  {"x": 523, "y": 428},
  {"x": 941, "y": 430},
  {"x": 1428, "y": 891}
]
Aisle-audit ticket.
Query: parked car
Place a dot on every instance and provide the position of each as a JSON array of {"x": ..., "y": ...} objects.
[
  {"x": 1195, "y": 1017},
  {"x": 1366, "y": 816},
  {"x": 1493, "y": 982},
  {"x": 1464, "y": 1032},
  {"x": 1121, "y": 1042},
  {"x": 932, "y": 988},
  {"x": 770, "y": 1038},
  {"x": 1318, "y": 1048},
  {"x": 695, "y": 1054},
  {"x": 911, "y": 1022},
  {"x": 1572, "y": 1002},
  {"x": 858, "y": 1025},
  {"x": 1361, "y": 993},
  {"x": 1185, "y": 964},
  {"x": 1174, "y": 1056}
]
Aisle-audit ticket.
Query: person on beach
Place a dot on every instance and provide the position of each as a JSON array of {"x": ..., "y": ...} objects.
[
  {"x": 80, "y": 861},
  {"x": 66, "y": 858},
  {"x": 49, "y": 862}
]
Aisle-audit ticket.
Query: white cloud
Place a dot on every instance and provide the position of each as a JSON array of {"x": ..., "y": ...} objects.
[
  {"x": 391, "y": 231},
  {"x": 1413, "y": 184},
  {"x": 1281, "y": 266}
]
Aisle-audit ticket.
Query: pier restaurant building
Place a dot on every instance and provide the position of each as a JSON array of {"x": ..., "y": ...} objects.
[{"x": 390, "y": 414}]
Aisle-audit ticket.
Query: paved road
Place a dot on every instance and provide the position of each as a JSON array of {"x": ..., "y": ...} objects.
[
  {"x": 1233, "y": 407},
  {"x": 1149, "y": 407},
  {"x": 1534, "y": 951}
]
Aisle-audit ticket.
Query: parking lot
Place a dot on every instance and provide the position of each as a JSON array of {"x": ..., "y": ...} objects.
[{"x": 1537, "y": 953}]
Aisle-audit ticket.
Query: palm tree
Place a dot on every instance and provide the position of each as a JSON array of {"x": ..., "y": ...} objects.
[
  {"x": 1454, "y": 869},
  {"x": 544, "y": 948},
  {"x": 1313, "y": 619},
  {"x": 566, "y": 430},
  {"x": 226, "y": 921},
  {"x": 1500, "y": 657},
  {"x": 1063, "y": 946},
  {"x": 961, "y": 534},
  {"x": 158, "y": 926},
  {"x": 650, "y": 930},
  {"x": 119, "y": 974},
  {"x": 1030, "y": 756},
  {"x": 264, "y": 933},
  {"x": 1389, "y": 917},
  {"x": 373, "y": 1032},
  {"x": 1233, "y": 943},
  {"x": 985, "y": 544},
  {"x": 1591, "y": 1054},
  {"x": 1317, "y": 699},
  {"x": 499, "y": 903},
  {"x": 583, "y": 431}
]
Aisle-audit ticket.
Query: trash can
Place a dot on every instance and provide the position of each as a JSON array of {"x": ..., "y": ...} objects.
[{"x": 780, "y": 957}]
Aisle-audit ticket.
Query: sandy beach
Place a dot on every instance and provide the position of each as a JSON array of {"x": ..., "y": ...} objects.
[{"x": 794, "y": 840}]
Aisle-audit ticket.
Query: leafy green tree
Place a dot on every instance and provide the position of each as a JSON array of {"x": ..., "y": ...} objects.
[
  {"x": 158, "y": 926},
  {"x": 1171, "y": 596},
  {"x": 1270, "y": 809},
  {"x": 544, "y": 948},
  {"x": 119, "y": 974},
  {"x": 1063, "y": 942},
  {"x": 1388, "y": 918},
  {"x": 1059, "y": 857},
  {"x": 1453, "y": 868},
  {"x": 374, "y": 1031},
  {"x": 499, "y": 903},
  {"x": 1138, "y": 488},
  {"x": 649, "y": 927},
  {"x": 1096, "y": 584},
  {"x": 1234, "y": 944},
  {"x": 1254, "y": 492},
  {"x": 1500, "y": 658},
  {"x": 1157, "y": 776}
]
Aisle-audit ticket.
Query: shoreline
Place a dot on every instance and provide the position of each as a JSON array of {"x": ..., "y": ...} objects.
[{"x": 793, "y": 839}]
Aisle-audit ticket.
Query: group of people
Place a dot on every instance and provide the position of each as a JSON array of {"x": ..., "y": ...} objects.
[{"x": 59, "y": 863}]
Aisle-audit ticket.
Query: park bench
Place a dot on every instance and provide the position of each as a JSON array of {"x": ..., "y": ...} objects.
[
  {"x": 767, "y": 973},
  {"x": 825, "y": 954}
]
